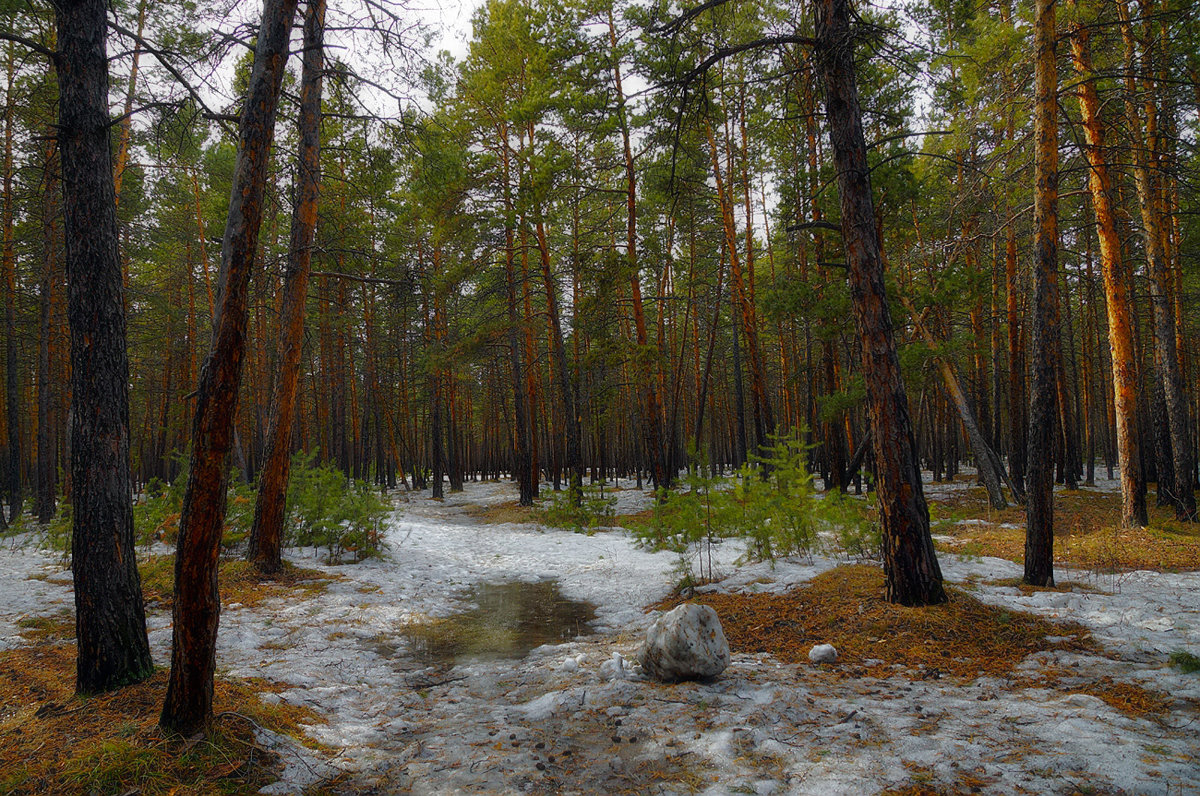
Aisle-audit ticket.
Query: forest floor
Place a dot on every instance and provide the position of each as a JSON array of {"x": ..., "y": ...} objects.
[{"x": 389, "y": 687}]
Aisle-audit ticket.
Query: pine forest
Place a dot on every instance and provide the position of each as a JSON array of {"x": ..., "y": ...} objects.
[{"x": 337, "y": 337}]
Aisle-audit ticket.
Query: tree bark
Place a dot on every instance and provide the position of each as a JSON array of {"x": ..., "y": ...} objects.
[
  {"x": 1120, "y": 323},
  {"x": 1039, "y": 510},
  {"x": 912, "y": 574},
  {"x": 47, "y": 449},
  {"x": 8, "y": 273},
  {"x": 197, "y": 608},
  {"x": 1166, "y": 353},
  {"x": 652, "y": 404},
  {"x": 266, "y": 531},
  {"x": 110, "y": 621}
]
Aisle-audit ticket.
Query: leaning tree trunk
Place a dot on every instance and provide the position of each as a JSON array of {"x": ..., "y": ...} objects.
[
  {"x": 1039, "y": 510},
  {"x": 991, "y": 471},
  {"x": 197, "y": 609},
  {"x": 913, "y": 576},
  {"x": 266, "y": 532},
  {"x": 110, "y": 620}
]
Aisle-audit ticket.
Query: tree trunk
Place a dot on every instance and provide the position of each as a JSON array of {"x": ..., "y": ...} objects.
[
  {"x": 651, "y": 403},
  {"x": 1166, "y": 354},
  {"x": 196, "y": 612},
  {"x": 1039, "y": 510},
  {"x": 8, "y": 273},
  {"x": 990, "y": 470},
  {"x": 110, "y": 621},
  {"x": 912, "y": 574},
  {"x": 266, "y": 531},
  {"x": 562, "y": 374},
  {"x": 47, "y": 449}
]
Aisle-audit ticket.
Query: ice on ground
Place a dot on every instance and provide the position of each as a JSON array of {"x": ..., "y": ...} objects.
[{"x": 578, "y": 716}]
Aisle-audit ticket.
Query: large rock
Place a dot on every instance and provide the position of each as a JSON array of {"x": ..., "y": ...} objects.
[{"x": 686, "y": 643}]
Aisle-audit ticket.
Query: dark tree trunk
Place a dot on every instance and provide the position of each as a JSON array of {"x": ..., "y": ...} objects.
[
  {"x": 196, "y": 613},
  {"x": 913, "y": 576},
  {"x": 266, "y": 532},
  {"x": 8, "y": 269},
  {"x": 1039, "y": 510},
  {"x": 574, "y": 457},
  {"x": 47, "y": 450},
  {"x": 522, "y": 460},
  {"x": 110, "y": 621}
]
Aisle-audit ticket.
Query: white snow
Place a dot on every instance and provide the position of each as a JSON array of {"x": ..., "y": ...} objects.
[{"x": 578, "y": 716}]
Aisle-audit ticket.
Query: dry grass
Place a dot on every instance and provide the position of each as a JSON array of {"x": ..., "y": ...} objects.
[
  {"x": 239, "y": 582},
  {"x": 508, "y": 512},
  {"x": 845, "y": 607},
  {"x": 1088, "y": 533},
  {"x": 53, "y": 742}
]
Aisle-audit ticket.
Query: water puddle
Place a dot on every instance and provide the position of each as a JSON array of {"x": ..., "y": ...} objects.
[{"x": 510, "y": 620}]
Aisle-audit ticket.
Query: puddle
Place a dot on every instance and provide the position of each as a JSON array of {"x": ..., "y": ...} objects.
[{"x": 510, "y": 620}]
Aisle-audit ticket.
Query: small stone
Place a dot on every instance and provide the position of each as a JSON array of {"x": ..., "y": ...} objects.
[
  {"x": 539, "y": 745},
  {"x": 541, "y": 766},
  {"x": 822, "y": 653}
]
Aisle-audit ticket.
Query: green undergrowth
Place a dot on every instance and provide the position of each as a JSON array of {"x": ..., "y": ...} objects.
[
  {"x": 594, "y": 509},
  {"x": 770, "y": 503},
  {"x": 325, "y": 510}
]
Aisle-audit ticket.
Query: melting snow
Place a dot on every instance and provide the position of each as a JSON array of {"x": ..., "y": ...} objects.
[{"x": 578, "y": 717}]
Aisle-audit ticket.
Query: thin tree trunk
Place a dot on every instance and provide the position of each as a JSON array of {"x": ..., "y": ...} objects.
[
  {"x": 47, "y": 450},
  {"x": 912, "y": 574},
  {"x": 197, "y": 607},
  {"x": 266, "y": 531},
  {"x": 522, "y": 461},
  {"x": 8, "y": 274},
  {"x": 652, "y": 405},
  {"x": 562, "y": 374}
]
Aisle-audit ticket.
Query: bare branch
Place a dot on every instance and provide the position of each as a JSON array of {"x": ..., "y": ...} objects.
[{"x": 162, "y": 57}]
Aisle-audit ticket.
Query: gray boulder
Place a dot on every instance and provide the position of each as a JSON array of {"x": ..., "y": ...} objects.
[{"x": 686, "y": 643}]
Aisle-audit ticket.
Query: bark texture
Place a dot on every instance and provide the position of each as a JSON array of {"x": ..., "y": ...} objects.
[
  {"x": 912, "y": 574},
  {"x": 266, "y": 532},
  {"x": 196, "y": 613},
  {"x": 110, "y": 621},
  {"x": 1039, "y": 510},
  {"x": 1120, "y": 322}
]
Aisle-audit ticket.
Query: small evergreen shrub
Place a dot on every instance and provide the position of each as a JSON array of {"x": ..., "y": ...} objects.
[
  {"x": 1187, "y": 662},
  {"x": 327, "y": 510},
  {"x": 770, "y": 502},
  {"x": 595, "y": 509}
]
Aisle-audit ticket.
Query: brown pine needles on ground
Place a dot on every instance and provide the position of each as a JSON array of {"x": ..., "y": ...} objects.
[
  {"x": 53, "y": 742},
  {"x": 963, "y": 639}
]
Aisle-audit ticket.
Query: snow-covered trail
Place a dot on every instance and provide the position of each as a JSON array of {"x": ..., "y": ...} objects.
[{"x": 567, "y": 719}]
